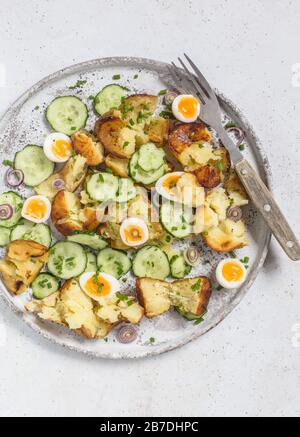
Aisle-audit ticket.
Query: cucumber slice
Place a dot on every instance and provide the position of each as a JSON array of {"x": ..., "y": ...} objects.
[
  {"x": 16, "y": 202},
  {"x": 126, "y": 190},
  {"x": 40, "y": 233},
  {"x": 113, "y": 262},
  {"x": 177, "y": 219},
  {"x": 91, "y": 265},
  {"x": 140, "y": 176},
  {"x": 4, "y": 236},
  {"x": 67, "y": 114},
  {"x": 67, "y": 260},
  {"x": 44, "y": 285},
  {"x": 34, "y": 164},
  {"x": 102, "y": 187},
  {"x": 90, "y": 239},
  {"x": 151, "y": 158},
  {"x": 151, "y": 262},
  {"x": 109, "y": 98},
  {"x": 179, "y": 268}
]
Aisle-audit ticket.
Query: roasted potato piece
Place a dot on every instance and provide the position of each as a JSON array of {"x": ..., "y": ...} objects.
[
  {"x": 71, "y": 307},
  {"x": 219, "y": 202},
  {"x": 158, "y": 130},
  {"x": 139, "y": 107},
  {"x": 223, "y": 162},
  {"x": 184, "y": 135},
  {"x": 22, "y": 264},
  {"x": 119, "y": 166},
  {"x": 72, "y": 174},
  {"x": 154, "y": 296},
  {"x": 67, "y": 216},
  {"x": 116, "y": 137},
  {"x": 208, "y": 176},
  {"x": 121, "y": 308},
  {"x": 65, "y": 213},
  {"x": 235, "y": 190},
  {"x": 228, "y": 236},
  {"x": 86, "y": 145},
  {"x": 190, "y": 296}
]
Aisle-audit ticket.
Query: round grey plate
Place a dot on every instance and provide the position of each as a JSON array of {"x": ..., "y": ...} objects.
[{"x": 24, "y": 123}]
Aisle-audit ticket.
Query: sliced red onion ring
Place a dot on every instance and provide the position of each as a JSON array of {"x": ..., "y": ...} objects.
[
  {"x": 14, "y": 178},
  {"x": 6, "y": 211},
  {"x": 170, "y": 97},
  {"x": 127, "y": 334},
  {"x": 238, "y": 132},
  {"x": 192, "y": 256},
  {"x": 59, "y": 184},
  {"x": 235, "y": 213}
]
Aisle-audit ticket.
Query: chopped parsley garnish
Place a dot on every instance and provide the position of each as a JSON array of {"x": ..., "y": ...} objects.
[
  {"x": 117, "y": 77},
  {"x": 126, "y": 144},
  {"x": 230, "y": 125},
  {"x": 91, "y": 98},
  {"x": 198, "y": 321},
  {"x": 7, "y": 163},
  {"x": 78, "y": 84},
  {"x": 136, "y": 76},
  {"x": 220, "y": 166},
  {"x": 197, "y": 285},
  {"x": 152, "y": 340},
  {"x": 242, "y": 147},
  {"x": 131, "y": 122},
  {"x": 166, "y": 114},
  {"x": 162, "y": 92},
  {"x": 36, "y": 108},
  {"x": 205, "y": 234}
]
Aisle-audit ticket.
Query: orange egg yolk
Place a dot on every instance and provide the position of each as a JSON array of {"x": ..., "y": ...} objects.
[
  {"x": 170, "y": 183},
  {"x": 188, "y": 106},
  {"x": 97, "y": 286},
  {"x": 232, "y": 272},
  {"x": 36, "y": 209},
  {"x": 134, "y": 234},
  {"x": 61, "y": 148}
]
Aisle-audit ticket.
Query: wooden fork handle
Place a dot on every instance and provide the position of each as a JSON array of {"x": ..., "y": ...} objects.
[{"x": 265, "y": 203}]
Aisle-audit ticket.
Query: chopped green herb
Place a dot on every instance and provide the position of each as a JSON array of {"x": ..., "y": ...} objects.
[
  {"x": 230, "y": 125},
  {"x": 152, "y": 340},
  {"x": 166, "y": 114},
  {"x": 78, "y": 84},
  {"x": 219, "y": 288},
  {"x": 126, "y": 144},
  {"x": 232, "y": 255},
  {"x": 131, "y": 122},
  {"x": 220, "y": 166},
  {"x": 7, "y": 163},
  {"x": 117, "y": 77},
  {"x": 205, "y": 234},
  {"x": 136, "y": 76},
  {"x": 198, "y": 321},
  {"x": 197, "y": 285},
  {"x": 36, "y": 108},
  {"x": 242, "y": 147},
  {"x": 162, "y": 92},
  {"x": 91, "y": 98}
]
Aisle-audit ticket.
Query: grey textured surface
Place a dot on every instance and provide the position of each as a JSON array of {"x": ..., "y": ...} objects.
[{"x": 249, "y": 365}]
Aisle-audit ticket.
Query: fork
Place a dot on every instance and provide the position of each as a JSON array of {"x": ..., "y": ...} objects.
[{"x": 196, "y": 84}]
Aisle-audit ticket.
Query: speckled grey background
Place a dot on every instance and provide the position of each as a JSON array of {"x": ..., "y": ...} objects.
[{"x": 249, "y": 365}]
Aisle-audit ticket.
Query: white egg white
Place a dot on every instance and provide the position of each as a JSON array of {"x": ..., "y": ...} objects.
[
  {"x": 46, "y": 216},
  {"x": 113, "y": 282},
  {"x": 178, "y": 114},
  {"x": 225, "y": 283},
  {"x": 134, "y": 222},
  {"x": 161, "y": 189},
  {"x": 49, "y": 143}
]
